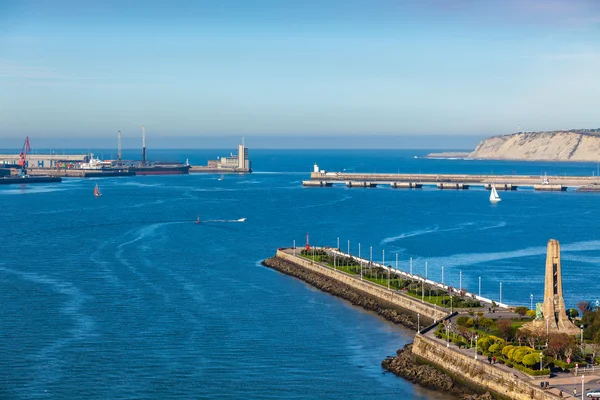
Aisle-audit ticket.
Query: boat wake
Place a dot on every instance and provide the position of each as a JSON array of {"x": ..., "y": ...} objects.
[
  {"x": 392, "y": 239},
  {"x": 225, "y": 220}
]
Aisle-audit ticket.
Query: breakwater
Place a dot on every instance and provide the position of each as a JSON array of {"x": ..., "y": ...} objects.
[
  {"x": 406, "y": 365},
  {"x": 333, "y": 286},
  {"x": 455, "y": 181},
  {"x": 476, "y": 371}
]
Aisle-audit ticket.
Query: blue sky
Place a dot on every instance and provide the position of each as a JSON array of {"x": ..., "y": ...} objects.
[{"x": 72, "y": 69}]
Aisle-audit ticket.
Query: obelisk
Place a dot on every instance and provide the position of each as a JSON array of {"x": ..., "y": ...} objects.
[{"x": 554, "y": 305}]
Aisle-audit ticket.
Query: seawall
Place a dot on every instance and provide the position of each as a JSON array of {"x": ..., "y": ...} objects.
[
  {"x": 354, "y": 290},
  {"x": 407, "y": 304},
  {"x": 477, "y": 372}
]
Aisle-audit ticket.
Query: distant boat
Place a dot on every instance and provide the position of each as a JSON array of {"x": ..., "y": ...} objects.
[
  {"x": 198, "y": 220},
  {"x": 494, "y": 198},
  {"x": 241, "y": 220},
  {"x": 221, "y": 177},
  {"x": 97, "y": 192}
]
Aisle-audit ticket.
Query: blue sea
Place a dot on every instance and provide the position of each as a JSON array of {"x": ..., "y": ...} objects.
[{"x": 125, "y": 297}]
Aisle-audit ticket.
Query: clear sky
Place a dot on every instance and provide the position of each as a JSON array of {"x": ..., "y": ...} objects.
[{"x": 316, "y": 67}]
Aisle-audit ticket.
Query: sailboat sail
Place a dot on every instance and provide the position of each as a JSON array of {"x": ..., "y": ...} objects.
[
  {"x": 494, "y": 198},
  {"x": 97, "y": 191}
]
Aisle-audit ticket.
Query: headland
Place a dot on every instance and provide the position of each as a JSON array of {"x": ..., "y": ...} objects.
[{"x": 581, "y": 145}]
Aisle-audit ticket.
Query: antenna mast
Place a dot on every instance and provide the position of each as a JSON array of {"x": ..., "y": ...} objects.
[
  {"x": 143, "y": 145},
  {"x": 119, "y": 148}
]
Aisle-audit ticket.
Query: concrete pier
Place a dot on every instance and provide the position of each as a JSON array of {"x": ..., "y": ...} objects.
[
  {"x": 360, "y": 184},
  {"x": 405, "y": 185},
  {"x": 443, "y": 181},
  {"x": 550, "y": 188},
  {"x": 457, "y": 186},
  {"x": 316, "y": 184},
  {"x": 500, "y": 186}
]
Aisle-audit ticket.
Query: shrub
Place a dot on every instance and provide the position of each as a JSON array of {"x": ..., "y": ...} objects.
[
  {"x": 530, "y": 313},
  {"x": 531, "y": 359},
  {"x": 521, "y": 352},
  {"x": 506, "y": 349},
  {"x": 496, "y": 348},
  {"x": 462, "y": 320},
  {"x": 470, "y": 323}
]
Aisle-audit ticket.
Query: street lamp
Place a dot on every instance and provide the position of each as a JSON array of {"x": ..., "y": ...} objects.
[
  {"x": 418, "y": 323},
  {"x": 447, "y": 334},
  {"x": 442, "y": 275},
  {"x": 348, "y": 247},
  {"x": 411, "y": 266},
  {"x": 541, "y": 358},
  {"x": 338, "y": 243},
  {"x": 582, "y": 341},
  {"x": 360, "y": 260},
  {"x": 294, "y": 247},
  {"x": 460, "y": 280},
  {"x": 582, "y": 389},
  {"x": 500, "y": 292},
  {"x": 531, "y": 298},
  {"x": 479, "y": 286},
  {"x": 547, "y": 322},
  {"x": 476, "y": 337},
  {"x": 425, "y": 269}
]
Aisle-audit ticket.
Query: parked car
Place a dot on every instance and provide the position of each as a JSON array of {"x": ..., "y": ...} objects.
[{"x": 594, "y": 394}]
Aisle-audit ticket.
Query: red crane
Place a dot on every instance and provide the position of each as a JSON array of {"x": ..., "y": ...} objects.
[{"x": 23, "y": 156}]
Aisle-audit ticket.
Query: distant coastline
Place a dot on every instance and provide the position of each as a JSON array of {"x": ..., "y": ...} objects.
[{"x": 575, "y": 145}]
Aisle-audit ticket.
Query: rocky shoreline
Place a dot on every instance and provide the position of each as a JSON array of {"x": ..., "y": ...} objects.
[
  {"x": 405, "y": 366},
  {"x": 336, "y": 288}
]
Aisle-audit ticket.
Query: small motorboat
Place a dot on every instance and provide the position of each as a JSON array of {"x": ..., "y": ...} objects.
[{"x": 198, "y": 220}]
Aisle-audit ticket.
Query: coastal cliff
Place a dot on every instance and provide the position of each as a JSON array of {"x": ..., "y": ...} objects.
[{"x": 571, "y": 145}]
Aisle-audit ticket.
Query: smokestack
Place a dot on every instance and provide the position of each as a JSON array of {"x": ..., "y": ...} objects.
[
  {"x": 143, "y": 145},
  {"x": 119, "y": 148}
]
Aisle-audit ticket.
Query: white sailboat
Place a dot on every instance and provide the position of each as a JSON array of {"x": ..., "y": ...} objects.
[{"x": 494, "y": 198}]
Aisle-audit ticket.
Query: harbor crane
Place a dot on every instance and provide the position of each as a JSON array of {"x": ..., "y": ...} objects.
[{"x": 23, "y": 157}]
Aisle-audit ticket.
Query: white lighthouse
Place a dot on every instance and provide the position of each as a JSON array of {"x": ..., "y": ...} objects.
[{"x": 316, "y": 168}]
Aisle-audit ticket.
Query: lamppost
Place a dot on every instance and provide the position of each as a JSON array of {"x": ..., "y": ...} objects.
[
  {"x": 294, "y": 247},
  {"x": 360, "y": 260},
  {"x": 442, "y": 275},
  {"x": 422, "y": 290},
  {"x": 338, "y": 243},
  {"x": 582, "y": 341},
  {"x": 500, "y": 292},
  {"x": 411, "y": 266},
  {"x": 348, "y": 247},
  {"x": 425, "y": 269},
  {"x": 383, "y": 261},
  {"x": 476, "y": 337},
  {"x": 531, "y": 298},
  {"x": 541, "y": 359},
  {"x": 418, "y": 323},
  {"x": 370, "y": 255},
  {"x": 479, "y": 286},
  {"x": 396, "y": 261},
  {"x": 582, "y": 389},
  {"x": 460, "y": 280},
  {"x": 447, "y": 334}
]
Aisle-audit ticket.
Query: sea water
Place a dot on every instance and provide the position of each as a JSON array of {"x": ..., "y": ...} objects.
[{"x": 125, "y": 296}]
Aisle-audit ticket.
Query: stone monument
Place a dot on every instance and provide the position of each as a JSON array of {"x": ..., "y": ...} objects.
[{"x": 553, "y": 309}]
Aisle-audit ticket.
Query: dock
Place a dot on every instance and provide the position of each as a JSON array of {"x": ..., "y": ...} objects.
[
  {"x": 80, "y": 173},
  {"x": 449, "y": 181},
  {"x": 23, "y": 180}
]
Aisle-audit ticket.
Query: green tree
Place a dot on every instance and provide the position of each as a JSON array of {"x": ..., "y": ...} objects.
[
  {"x": 531, "y": 313},
  {"x": 572, "y": 313},
  {"x": 521, "y": 311}
]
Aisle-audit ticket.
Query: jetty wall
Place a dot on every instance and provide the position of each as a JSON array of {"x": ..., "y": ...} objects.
[
  {"x": 477, "y": 372},
  {"x": 411, "y": 305}
]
